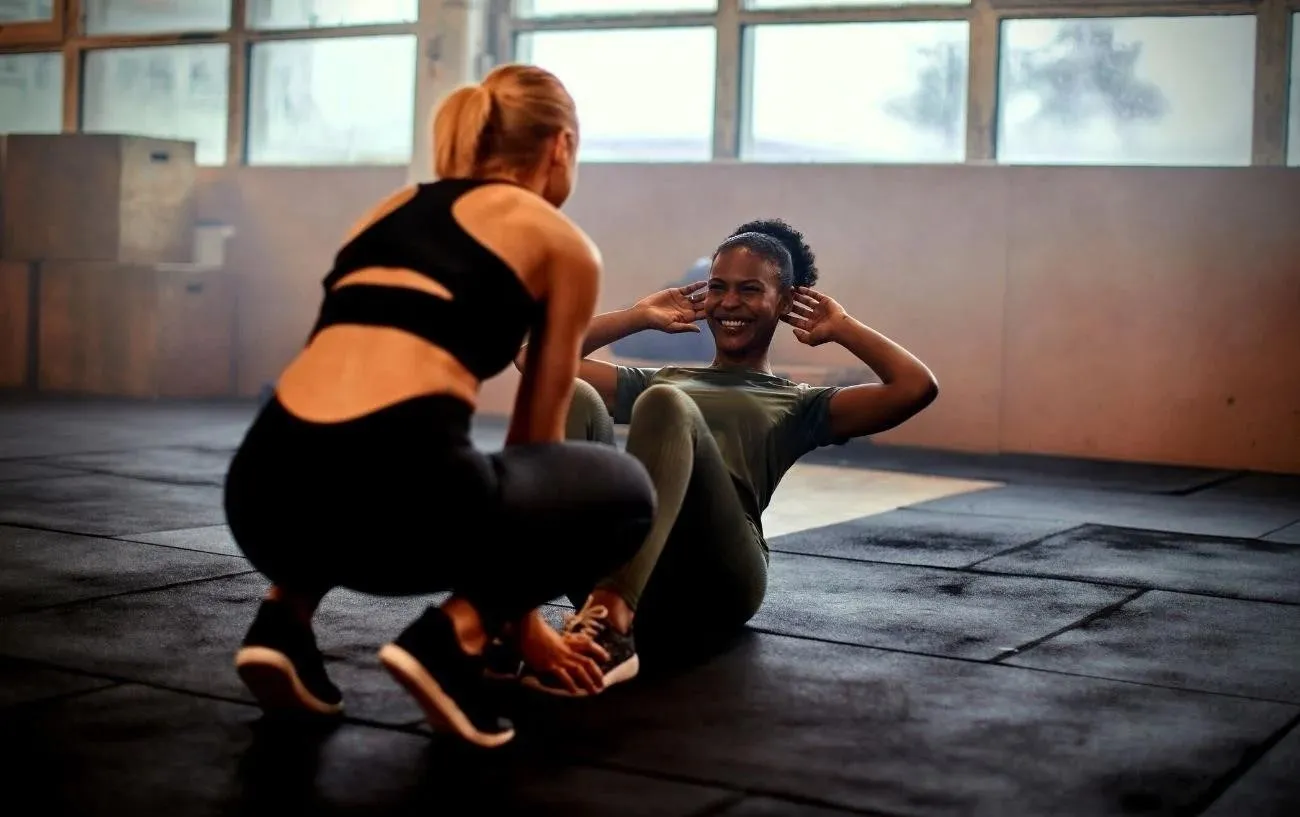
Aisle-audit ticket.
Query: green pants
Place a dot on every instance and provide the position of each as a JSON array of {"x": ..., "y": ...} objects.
[{"x": 702, "y": 571}]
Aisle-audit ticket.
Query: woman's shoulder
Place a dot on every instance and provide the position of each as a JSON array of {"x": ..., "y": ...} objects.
[{"x": 547, "y": 226}]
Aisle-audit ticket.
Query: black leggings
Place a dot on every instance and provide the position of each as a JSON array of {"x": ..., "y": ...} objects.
[{"x": 400, "y": 503}]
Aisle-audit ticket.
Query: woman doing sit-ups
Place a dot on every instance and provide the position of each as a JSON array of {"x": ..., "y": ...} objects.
[{"x": 716, "y": 440}]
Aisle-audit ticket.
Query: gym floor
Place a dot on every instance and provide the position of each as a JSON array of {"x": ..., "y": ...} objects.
[{"x": 944, "y": 635}]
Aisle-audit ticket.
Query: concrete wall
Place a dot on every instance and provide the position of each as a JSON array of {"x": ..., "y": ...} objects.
[{"x": 1136, "y": 313}]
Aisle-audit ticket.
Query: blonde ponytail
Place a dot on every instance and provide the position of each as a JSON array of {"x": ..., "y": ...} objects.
[{"x": 458, "y": 129}]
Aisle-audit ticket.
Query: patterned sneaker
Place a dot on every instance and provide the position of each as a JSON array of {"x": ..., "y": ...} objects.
[
  {"x": 427, "y": 660},
  {"x": 592, "y": 621},
  {"x": 281, "y": 665}
]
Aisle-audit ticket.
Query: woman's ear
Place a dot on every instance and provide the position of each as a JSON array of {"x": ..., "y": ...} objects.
[
  {"x": 785, "y": 301},
  {"x": 566, "y": 148}
]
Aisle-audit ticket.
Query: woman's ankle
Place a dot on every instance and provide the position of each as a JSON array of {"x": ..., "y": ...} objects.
[
  {"x": 467, "y": 624},
  {"x": 302, "y": 606},
  {"x": 621, "y": 613}
]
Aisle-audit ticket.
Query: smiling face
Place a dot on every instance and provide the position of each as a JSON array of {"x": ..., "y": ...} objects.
[{"x": 744, "y": 304}]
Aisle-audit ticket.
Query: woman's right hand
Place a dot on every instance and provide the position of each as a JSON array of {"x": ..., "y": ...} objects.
[
  {"x": 567, "y": 658},
  {"x": 675, "y": 309}
]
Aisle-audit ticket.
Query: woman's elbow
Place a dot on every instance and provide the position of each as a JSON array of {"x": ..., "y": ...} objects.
[
  {"x": 918, "y": 395},
  {"x": 929, "y": 392}
]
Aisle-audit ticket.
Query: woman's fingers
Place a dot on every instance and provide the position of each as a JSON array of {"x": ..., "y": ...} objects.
[
  {"x": 588, "y": 673},
  {"x": 692, "y": 288},
  {"x": 585, "y": 645},
  {"x": 562, "y": 673},
  {"x": 793, "y": 319}
]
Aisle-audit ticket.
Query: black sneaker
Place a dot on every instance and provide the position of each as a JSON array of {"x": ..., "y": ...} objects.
[
  {"x": 593, "y": 621},
  {"x": 282, "y": 666},
  {"x": 448, "y": 683}
]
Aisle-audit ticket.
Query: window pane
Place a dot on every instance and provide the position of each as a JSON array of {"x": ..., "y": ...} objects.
[
  {"x": 26, "y": 11},
  {"x": 170, "y": 92},
  {"x": 31, "y": 93},
  {"x": 826, "y": 4},
  {"x": 266, "y": 14},
  {"x": 345, "y": 101},
  {"x": 154, "y": 16},
  {"x": 557, "y": 8},
  {"x": 1293, "y": 140},
  {"x": 1155, "y": 90},
  {"x": 633, "y": 104},
  {"x": 857, "y": 92}
]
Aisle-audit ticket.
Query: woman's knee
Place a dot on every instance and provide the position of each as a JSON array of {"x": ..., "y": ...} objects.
[
  {"x": 663, "y": 406},
  {"x": 588, "y": 416}
]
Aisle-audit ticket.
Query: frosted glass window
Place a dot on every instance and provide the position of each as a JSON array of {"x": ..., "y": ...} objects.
[
  {"x": 155, "y": 16},
  {"x": 1127, "y": 91},
  {"x": 169, "y": 92},
  {"x": 1293, "y": 139},
  {"x": 857, "y": 92},
  {"x": 275, "y": 14},
  {"x": 634, "y": 104},
  {"x": 31, "y": 93},
  {"x": 813, "y": 4},
  {"x": 343, "y": 101},
  {"x": 559, "y": 8},
  {"x": 26, "y": 11}
]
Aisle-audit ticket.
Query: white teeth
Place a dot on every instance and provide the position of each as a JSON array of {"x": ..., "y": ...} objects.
[{"x": 732, "y": 324}]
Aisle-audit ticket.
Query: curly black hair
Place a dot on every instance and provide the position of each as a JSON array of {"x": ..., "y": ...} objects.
[{"x": 794, "y": 257}]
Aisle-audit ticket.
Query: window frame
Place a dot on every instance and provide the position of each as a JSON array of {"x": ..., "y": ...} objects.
[
  {"x": 1274, "y": 44},
  {"x": 36, "y": 33},
  {"x": 985, "y": 17},
  {"x": 68, "y": 35}
]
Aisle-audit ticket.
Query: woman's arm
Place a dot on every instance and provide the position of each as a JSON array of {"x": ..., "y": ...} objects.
[
  {"x": 671, "y": 310},
  {"x": 553, "y": 355},
  {"x": 907, "y": 386}
]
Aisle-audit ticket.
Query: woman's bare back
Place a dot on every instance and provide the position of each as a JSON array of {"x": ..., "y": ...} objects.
[{"x": 348, "y": 371}]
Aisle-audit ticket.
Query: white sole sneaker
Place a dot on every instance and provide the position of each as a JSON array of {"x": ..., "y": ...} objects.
[
  {"x": 271, "y": 677},
  {"x": 442, "y": 713}
]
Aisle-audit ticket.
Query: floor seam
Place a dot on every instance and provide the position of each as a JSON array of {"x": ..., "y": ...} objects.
[
  {"x": 1275, "y": 530},
  {"x": 720, "y": 808},
  {"x": 174, "y": 547},
  {"x": 95, "y": 599},
  {"x": 1213, "y": 483},
  {"x": 743, "y": 791},
  {"x": 1248, "y": 760},
  {"x": 121, "y": 537},
  {"x": 61, "y": 697},
  {"x": 41, "y": 459},
  {"x": 1089, "y": 521},
  {"x": 116, "y": 681},
  {"x": 985, "y": 662},
  {"x": 82, "y": 471},
  {"x": 1026, "y": 545},
  {"x": 1082, "y": 622},
  {"x": 1061, "y": 577}
]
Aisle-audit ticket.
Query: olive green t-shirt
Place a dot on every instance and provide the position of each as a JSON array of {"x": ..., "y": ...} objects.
[{"x": 762, "y": 423}]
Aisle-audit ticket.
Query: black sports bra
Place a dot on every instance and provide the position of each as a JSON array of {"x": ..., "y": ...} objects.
[{"x": 490, "y": 311}]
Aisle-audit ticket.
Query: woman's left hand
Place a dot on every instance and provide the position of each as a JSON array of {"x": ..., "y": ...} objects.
[{"x": 814, "y": 316}]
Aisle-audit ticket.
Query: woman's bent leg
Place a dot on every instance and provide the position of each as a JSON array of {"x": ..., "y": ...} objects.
[
  {"x": 700, "y": 533},
  {"x": 589, "y": 418}
]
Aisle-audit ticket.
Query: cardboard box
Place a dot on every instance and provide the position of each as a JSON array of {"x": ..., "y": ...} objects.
[{"x": 97, "y": 197}]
